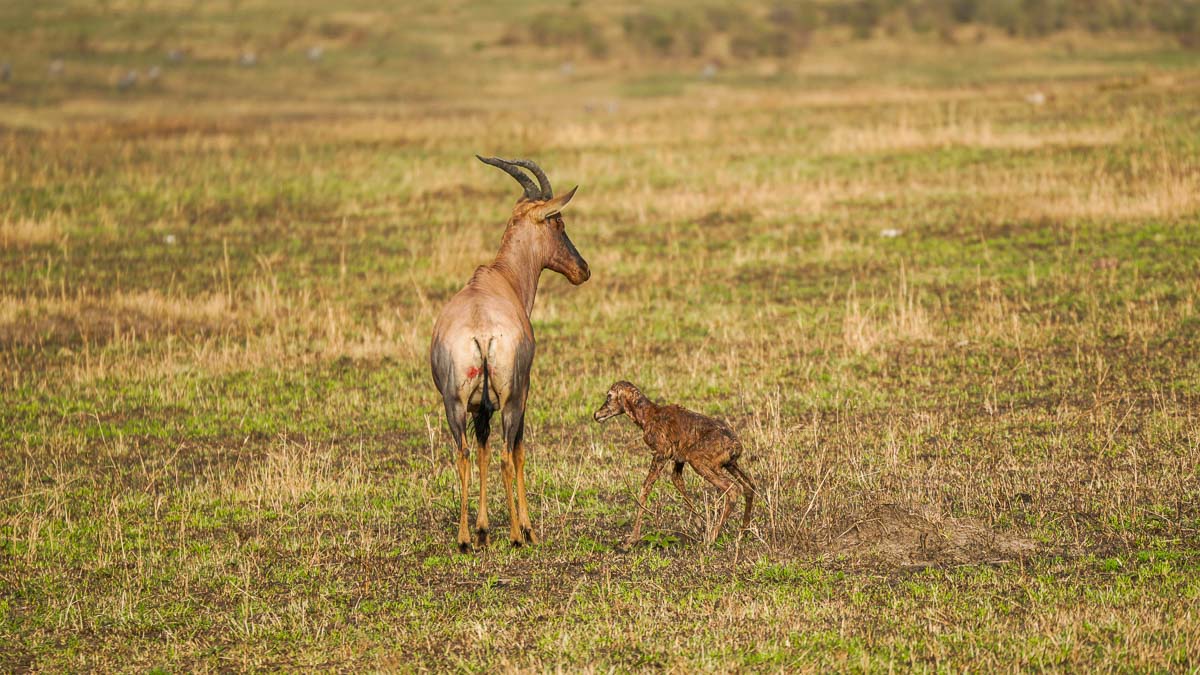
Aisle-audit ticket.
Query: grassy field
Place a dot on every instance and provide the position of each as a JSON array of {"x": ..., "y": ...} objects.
[{"x": 957, "y": 331}]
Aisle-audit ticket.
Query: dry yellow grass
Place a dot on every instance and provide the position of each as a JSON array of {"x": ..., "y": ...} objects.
[
  {"x": 867, "y": 328},
  {"x": 907, "y": 134},
  {"x": 24, "y": 233}
]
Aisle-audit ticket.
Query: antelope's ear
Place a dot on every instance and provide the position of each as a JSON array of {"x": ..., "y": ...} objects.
[{"x": 554, "y": 204}]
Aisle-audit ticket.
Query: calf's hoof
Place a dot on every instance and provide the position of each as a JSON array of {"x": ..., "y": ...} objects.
[
  {"x": 481, "y": 537},
  {"x": 464, "y": 547},
  {"x": 530, "y": 537}
]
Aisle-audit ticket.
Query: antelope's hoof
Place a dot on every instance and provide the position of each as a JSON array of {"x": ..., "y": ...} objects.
[
  {"x": 530, "y": 537},
  {"x": 481, "y": 537},
  {"x": 516, "y": 541},
  {"x": 464, "y": 547}
]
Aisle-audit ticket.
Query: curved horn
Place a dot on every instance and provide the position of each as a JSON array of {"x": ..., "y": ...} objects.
[
  {"x": 547, "y": 191},
  {"x": 531, "y": 190}
]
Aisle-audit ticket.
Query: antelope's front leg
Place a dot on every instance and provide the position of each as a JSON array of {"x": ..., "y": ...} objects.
[{"x": 656, "y": 468}]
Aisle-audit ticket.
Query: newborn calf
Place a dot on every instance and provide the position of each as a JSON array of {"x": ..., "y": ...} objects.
[{"x": 682, "y": 436}]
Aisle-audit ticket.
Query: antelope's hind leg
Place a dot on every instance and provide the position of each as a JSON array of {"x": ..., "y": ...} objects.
[
  {"x": 509, "y": 477},
  {"x": 456, "y": 416},
  {"x": 522, "y": 501},
  {"x": 513, "y": 410},
  {"x": 482, "y": 423},
  {"x": 512, "y": 417}
]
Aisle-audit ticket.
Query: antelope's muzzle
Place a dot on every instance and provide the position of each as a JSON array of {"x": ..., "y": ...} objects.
[{"x": 579, "y": 270}]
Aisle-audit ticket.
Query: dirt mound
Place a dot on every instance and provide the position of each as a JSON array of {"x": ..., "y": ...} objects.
[{"x": 894, "y": 536}]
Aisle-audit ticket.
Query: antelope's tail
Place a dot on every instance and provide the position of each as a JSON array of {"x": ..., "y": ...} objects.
[{"x": 484, "y": 357}]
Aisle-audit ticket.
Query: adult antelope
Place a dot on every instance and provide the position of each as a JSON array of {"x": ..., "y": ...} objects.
[{"x": 483, "y": 344}]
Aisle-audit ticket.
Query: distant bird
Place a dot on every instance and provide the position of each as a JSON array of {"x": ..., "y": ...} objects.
[
  {"x": 315, "y": 53},
  {"x": 248, "y": 59},
  {"x": 175, "y": 55},
  {"x": 153, "y": 73},
  {"x": 1036, "y": 98},
  {"x": 127, "y": 81},
  {"x": 890, "y": 233},
  {"x": 56, "y": 67},
  {"x": 5, "y": 72},
  {"x": 709, "y": 72}
]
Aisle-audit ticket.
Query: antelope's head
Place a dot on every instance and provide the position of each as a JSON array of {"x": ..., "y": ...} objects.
[{"x": 537, "y": 221}]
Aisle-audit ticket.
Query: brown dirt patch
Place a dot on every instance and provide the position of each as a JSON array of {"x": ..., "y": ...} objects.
[{"x": 892, "y": 536}]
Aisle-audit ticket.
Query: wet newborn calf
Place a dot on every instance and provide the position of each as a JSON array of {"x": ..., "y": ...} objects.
[{"x": 682, "y": 436}]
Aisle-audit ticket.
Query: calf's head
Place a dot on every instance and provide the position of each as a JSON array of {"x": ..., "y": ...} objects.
[{"x": 621, "y": 398}]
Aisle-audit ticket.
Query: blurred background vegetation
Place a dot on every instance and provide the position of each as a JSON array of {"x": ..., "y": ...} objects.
[
  {"x": 667, "y": 29},
  {"x": 775, "y": 29},
  {"x": 62, "y": 51}
]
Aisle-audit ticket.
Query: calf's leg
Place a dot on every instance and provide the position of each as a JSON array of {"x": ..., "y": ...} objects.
[
  {"x": 677, "y": 479},
  {"x": 748, "y": 489},
  {"x": 729, "y": 490},
  {"x": 656, "y": 468}
]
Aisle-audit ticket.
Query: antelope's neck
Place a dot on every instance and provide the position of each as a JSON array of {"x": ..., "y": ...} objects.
[{"x": 522, "y": 266}]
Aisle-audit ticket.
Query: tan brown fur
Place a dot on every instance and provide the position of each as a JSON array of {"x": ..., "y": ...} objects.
[{"x": 684, "y": 437}]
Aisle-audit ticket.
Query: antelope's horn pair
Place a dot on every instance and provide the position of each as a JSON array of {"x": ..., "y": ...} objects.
[{"x": 509, "y": 166}]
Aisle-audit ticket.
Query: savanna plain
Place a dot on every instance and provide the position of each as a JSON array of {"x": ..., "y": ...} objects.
[{"x": 945, "y": 290}]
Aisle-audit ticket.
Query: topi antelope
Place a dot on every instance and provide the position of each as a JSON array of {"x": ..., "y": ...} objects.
[{"x": 483, "y": 344}]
